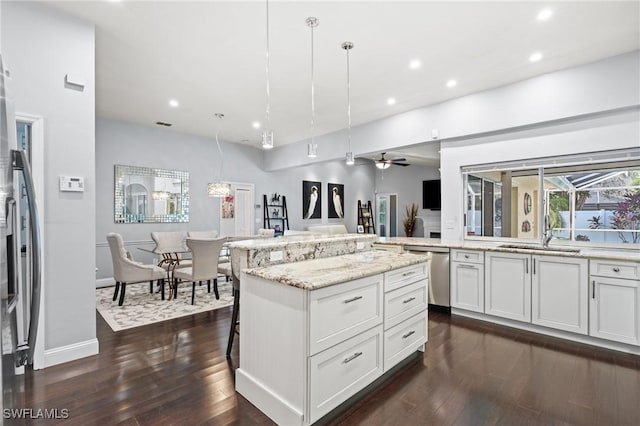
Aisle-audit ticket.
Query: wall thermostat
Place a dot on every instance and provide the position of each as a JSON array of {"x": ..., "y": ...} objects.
[{"x": 72, "y": 183}]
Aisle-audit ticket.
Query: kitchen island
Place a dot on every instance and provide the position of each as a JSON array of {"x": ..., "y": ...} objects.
[{"x": 315, "y": 333}]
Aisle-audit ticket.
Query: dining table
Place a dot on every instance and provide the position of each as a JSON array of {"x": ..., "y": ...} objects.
[{"x": 169, "y": 260}]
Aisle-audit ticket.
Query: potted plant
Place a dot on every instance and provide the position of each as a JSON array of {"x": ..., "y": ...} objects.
[{"x": 410, "y": 220}]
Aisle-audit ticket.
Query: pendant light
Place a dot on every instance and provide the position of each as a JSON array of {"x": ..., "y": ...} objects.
[
  {"x": 312, "y": 147},
  {"x": 347, "y": 46},
  {"x": 219, "y": 189},
  {"x": 267, "y": 135}
]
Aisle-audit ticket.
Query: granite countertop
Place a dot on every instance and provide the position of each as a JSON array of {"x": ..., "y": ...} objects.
[
  {"x": 318, "y": 273},
  {"x": 613, "y": 253},
  {"x": 264, "y": 243}
]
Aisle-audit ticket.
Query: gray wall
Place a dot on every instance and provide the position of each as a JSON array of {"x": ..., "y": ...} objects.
[
  {"x": 600, "y": 86},
  {"x": 131, "y": 144},
  {"x": 40, "y": 47},
  {"x": 407, "y": 183}
]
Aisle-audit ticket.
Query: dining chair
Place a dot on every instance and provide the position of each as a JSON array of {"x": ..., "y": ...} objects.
[
  {"x": 266, "y": 232},
  {"x": 167, "y": 240},
  {"x": 127, "y": 271},
  {"x": 202, "y": 234},
  {"x": 204, "y": 253}
]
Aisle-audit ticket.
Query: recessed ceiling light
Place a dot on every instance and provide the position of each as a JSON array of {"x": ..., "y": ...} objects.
[
  {"x": 391, "y": 101},
  {"x": 256, "y": 124},
  {"x": 544, "y": 14},
  {"x": 452, "y": 83},
  {"x": 535, "y": 57},
  {"x": 174, "y": 103},
  {"x": 415, "y": 64}
]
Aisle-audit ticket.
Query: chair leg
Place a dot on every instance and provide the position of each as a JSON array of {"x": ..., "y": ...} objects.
[
  {"x": 115, "y": 293},
  {"x": 122, "y": 290},
  {"x": 208, "y": 286},
  {"x": 193, "y": 292},
  {"x": 151, "y": 287},
  {"x": 234, "y": 320},
  {"x": 215, "y": 288},
  {"x": 161, "y": 284}
]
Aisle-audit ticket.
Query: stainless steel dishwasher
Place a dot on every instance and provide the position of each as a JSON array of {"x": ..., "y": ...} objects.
[{"x": 439, "y": 298}]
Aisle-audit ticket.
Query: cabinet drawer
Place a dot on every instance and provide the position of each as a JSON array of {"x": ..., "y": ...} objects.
[
  {"x": 404, "y": 302},
  {"x": 470, "y": 256},
  {"x": 403, "y": 276},
  {"x": 339, "y": 312},
  {"x": 403, "y": 339},
  {"x": 615, "y": 269},
  {"x": 339, "y": 372}
]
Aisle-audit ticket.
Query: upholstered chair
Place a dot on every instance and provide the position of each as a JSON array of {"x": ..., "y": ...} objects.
[
  {"x": 127, "y": 271},
  {"x": 204, "y": 253},
  {"x": 203, "y": 234},
  {"x": 265, "y": 233},
  {"x": 166, "y": 241}
]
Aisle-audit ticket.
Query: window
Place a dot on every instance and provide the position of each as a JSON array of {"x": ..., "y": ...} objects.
[{"x": 591, "y": 197}]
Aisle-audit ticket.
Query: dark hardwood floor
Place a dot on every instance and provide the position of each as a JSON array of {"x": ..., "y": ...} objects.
[{"x": 473, "y": 373}]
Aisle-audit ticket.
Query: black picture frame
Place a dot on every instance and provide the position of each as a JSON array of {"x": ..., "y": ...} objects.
[
  {"x": 311, "y": 199},
  {"x": 335, "y": 201}
]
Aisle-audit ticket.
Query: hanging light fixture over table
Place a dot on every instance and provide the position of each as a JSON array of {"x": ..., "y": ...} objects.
[
  {"x": 312, "y": 147},
  {"x": 347, "y": 46},
  {"x": 219, "y": 188}
]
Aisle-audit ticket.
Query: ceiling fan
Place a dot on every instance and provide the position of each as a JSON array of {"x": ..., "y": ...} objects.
[{"x": 383, "y": 163}]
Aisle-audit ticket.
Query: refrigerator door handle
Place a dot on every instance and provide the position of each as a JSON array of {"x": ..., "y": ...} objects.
[{"x": 20, "y": 162}]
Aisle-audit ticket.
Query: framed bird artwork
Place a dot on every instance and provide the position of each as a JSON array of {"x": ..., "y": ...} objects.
[
  {"x": 311, "y": 200},
  {"x": 336, "y": 201}
]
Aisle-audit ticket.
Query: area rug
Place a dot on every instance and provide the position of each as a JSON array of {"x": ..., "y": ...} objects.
[{"x": 142, "y": 308}]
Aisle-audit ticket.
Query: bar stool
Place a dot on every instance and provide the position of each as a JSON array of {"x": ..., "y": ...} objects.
[{"x": 234, "y": 315}]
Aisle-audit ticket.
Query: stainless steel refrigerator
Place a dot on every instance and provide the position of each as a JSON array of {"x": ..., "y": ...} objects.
[{"x": 16, "y": 287}]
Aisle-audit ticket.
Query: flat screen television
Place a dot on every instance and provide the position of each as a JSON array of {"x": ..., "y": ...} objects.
[{"x": 431, "y": 194}]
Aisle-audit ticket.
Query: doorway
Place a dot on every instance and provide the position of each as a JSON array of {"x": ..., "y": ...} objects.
[
  {"x": 387, "y": 215},
  {"x": 236, "y": 211}
]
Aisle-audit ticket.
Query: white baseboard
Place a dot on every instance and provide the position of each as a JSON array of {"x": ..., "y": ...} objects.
[
  {"x": 105, "y": 282},
  {"x": 70, "y": 352}
]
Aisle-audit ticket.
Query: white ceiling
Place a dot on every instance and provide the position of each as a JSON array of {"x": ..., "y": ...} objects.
[{"x": 210, "y": 56}]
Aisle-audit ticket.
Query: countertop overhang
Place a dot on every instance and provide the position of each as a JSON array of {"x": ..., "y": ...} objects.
[{"x": 318, "y": 273}]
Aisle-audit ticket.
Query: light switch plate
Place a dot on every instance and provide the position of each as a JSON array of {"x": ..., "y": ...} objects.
[{"x": 71, "y": 183}]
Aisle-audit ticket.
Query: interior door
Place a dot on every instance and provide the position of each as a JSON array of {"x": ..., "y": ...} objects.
[
  {"x": 236, "y": 211},
  {"x": 387, "y": 215}
]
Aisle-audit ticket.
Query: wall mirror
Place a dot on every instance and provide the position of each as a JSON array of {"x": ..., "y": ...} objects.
[
  {"x": 147, "y": 195},
  {"x": 594, "y": 199}
]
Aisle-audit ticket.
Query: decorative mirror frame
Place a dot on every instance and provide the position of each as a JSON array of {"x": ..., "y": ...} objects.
[{"x": 120, "y": 213}]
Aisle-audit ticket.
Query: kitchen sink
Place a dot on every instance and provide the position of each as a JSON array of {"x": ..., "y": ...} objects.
[{"x": 539, "y": 247}]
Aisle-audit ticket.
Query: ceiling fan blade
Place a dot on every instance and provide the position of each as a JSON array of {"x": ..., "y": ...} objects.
[
  {"x": 393, "y": 160},
  {"x": 401, "y": 164}
]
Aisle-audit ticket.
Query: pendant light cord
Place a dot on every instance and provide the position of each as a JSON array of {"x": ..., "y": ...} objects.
[
  {"x": 268, "y": 115},
  {"x": 313, "y": 103},
  {"x": 219, "y": 116},
  {"x": 348, "y": 101}
]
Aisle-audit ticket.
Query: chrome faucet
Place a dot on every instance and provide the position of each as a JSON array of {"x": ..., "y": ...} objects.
[{"x": 548, "y": 232}]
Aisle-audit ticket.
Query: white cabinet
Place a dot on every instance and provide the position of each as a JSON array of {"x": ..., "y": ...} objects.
[
  {"x": 405, "y": 312},
  {"x": 508, "y": 286},
  {"x": 304, "y": 352},
  {"x": 467, "y": 280},
  {"x": 559, "y": 293},
  {"x": 615, "y": 301}
]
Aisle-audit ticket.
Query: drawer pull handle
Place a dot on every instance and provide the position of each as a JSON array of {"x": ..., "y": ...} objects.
[
  {"x": 466, "y": 266},
  {"x": 408, "y": 334},
  {"x": 466, "y": 256},
  {"x": 351, "y": 358},
  {"x": 406, "y": 274},
  {"x": 616, "y": 269},
  {"x": 409, "y": 300},
  {"x": 353, "y": 299}
]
